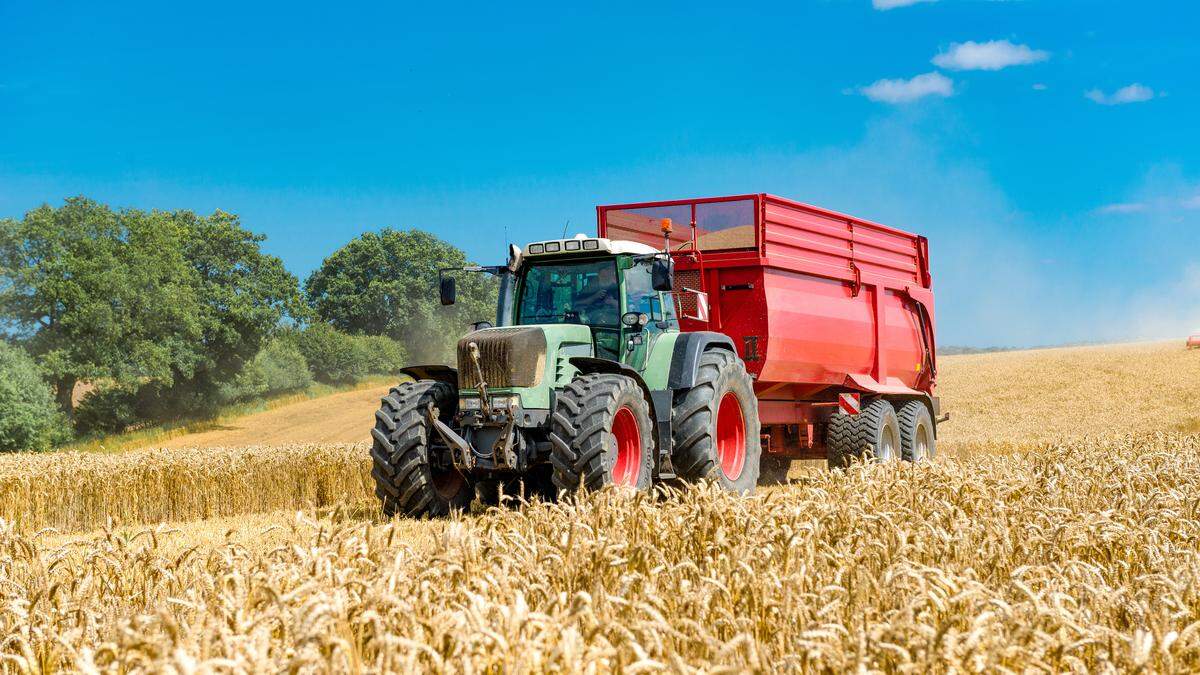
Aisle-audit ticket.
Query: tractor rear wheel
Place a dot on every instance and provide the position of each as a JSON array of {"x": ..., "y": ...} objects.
[
  {"x": 602, "y": 435},
  {"x": 871, "y": 435},
  {"x": 917, "y": 442},
  {"x": 715, "y": 425},
  {"x": 408, "y": 480}
]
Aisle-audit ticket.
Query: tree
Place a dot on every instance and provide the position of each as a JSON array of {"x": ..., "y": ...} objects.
[
  {"x": 28, "y": 418},
  {"x": 96, "y": 293},
  {"x": 242, "y": 296},
  {"x": 170, "y": 302},
  {"x": 385, "y": 283}
]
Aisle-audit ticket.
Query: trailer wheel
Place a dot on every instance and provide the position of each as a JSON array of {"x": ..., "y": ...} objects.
[
  {"x": 917, "y": 441},
  {"x": 601, "y": 435},
  {"x": 407, "y": 479},
  {"x": 871, "y": 435},
  {"x": 715, "y": 425}
]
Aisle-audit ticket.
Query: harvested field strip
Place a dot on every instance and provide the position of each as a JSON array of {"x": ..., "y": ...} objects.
[
  {"x": 1081, "y": 556},
  {"x": 72, "y": 491}
]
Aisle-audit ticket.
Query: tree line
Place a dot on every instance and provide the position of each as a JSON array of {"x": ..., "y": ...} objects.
[{"x": 167, "y": 315}]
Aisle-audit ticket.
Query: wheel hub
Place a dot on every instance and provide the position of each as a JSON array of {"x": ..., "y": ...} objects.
[
  {"x": 628, "y": 435},
  {"x": 731, "y": 436}
]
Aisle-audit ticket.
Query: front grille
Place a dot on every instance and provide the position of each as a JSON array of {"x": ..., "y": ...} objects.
[{"x": 508, "y": 357}]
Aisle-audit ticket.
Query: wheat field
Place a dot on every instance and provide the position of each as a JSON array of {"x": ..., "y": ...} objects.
[{"x": 1059, "y": 530}]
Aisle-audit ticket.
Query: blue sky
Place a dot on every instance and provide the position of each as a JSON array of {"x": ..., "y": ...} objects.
[{"x": 1048, "y": 148}]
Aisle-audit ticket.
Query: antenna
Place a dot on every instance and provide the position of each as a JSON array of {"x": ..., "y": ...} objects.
[
  {"x": 565, "y": 226},
  {"x": 507, "y": 241}
]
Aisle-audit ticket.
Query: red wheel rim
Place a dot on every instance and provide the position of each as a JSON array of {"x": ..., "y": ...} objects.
[
  {"x": 628, "y": 434},
  {"x": 731, "y": 436}
]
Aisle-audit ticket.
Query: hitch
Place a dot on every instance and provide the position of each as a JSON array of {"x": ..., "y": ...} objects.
[{"x": 459, "y": 448}]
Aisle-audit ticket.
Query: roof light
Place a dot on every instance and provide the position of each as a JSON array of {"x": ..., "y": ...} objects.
[
  {"x": 572, "y": 245},
  {"x": 591, "y": 245},
  {"x": 534, "y": 249},
  {"x": 553, "y": 247}
]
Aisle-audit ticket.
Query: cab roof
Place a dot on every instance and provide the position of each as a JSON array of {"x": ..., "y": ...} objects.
[{"x": 581, "y": 244}]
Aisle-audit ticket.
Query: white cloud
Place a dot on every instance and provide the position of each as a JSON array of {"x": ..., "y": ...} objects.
[
  {"x": 1134, "y": 93},
  {"x": 1192, "y": 202},
  {"x": 1040, "y": 87},
  {"x": 992, "y": 55},
  {"x": 893, "y": 4},
  {"x": 1123, "y": 207},
  {"x": 906, "y": 91}
]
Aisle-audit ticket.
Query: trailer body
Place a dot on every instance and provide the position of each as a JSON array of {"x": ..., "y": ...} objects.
[{"x": 818, "y": 303}]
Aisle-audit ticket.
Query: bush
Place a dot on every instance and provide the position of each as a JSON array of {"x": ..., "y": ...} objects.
[
  {"x": 107, "y": 410},
  {"x": 29, "y": 418},
  {"x": 333, "y": 357},
  {"x": 382, "y": 354},
  {"x": 337, "y": 358},
  {"x": 279, "y": 367}
]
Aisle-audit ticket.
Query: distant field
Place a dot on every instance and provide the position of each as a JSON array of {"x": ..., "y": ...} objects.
[
  {"x": 344, "y": 417},
  {"x": 1058, "y": 531}
]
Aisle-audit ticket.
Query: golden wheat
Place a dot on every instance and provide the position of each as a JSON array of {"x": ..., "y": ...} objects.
[
  {"x": 1077, "y": 557},
  {"x": 1052, "y": 539},
  {"x": 76, "y": 490}
]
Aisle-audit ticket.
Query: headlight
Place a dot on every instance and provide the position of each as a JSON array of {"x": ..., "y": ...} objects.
[
  {"x": 499, "y": 402},
  {"x": 506, "y": 401}
]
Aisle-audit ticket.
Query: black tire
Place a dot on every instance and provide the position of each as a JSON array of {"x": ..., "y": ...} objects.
[
  {"x": 694, "y": 423},
  {"x": 917, "y": 438},
  {"x": 406, "y": 482},
  {"x": 850, "y": 438},
  {"x": 773, "y": 470},
  {"x": 585, "y": 445}
]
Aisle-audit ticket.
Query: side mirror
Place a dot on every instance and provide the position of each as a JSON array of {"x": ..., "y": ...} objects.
[
  {"x": 448, "y": 291},
  {"x": 662, "y": 274}
]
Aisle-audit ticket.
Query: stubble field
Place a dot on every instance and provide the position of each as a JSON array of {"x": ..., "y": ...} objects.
[{"x": 1058, "y": 530}]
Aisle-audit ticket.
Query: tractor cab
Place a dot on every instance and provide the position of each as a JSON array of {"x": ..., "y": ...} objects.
[{"x": 607, "y": 286}]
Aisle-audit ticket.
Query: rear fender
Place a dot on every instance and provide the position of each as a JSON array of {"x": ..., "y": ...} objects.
[{"x": 685, "y": 360}]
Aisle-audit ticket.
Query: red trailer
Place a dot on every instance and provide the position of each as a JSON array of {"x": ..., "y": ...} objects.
[{"x": 832, "y": 315}]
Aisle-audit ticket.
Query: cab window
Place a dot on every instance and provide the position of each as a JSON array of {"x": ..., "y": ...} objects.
[
  {"x": 641, "y": 297},
  {"x": 577, "y": 292}
]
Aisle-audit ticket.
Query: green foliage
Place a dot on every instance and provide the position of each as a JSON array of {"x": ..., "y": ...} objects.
[
  {"x": 337, "y": 358},
  {"x": 381, "y": 354},
  {"x": 333, "y": 356},
  {"x": 385, "y": 283},
  {"x": 170, "y": 302},
  {"x": 107, "y": 410},
  {"x": 29, "y": 419},
  {"x": 98, "y": 293},
  {"x": 278, "y": 368}
]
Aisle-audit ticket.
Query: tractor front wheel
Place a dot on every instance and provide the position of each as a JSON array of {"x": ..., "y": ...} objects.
[
  {"x": 412, "y": 470},
  {"x": 602, "y": 435}
]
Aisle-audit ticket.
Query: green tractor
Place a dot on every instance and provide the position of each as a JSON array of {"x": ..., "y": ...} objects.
[{"x": 584, "y": 381}]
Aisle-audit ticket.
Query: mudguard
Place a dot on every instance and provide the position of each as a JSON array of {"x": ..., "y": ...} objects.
[
  {"x": 686, "y": 359},
  {"x": 433, "y": 372}
]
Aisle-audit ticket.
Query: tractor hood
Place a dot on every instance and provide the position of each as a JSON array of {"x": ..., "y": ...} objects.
[{"x": 529, "y": 360}]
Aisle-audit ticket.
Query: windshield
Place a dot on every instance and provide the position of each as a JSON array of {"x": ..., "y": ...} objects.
[{"x": 576, "y": 292}]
